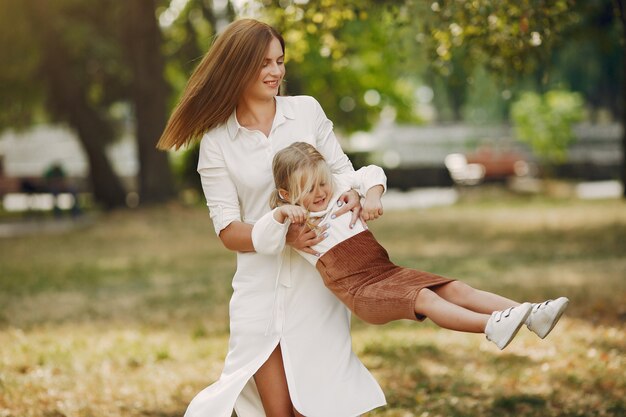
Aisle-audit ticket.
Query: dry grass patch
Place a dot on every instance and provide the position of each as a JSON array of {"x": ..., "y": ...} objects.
[{"x": 129, "y": 316}]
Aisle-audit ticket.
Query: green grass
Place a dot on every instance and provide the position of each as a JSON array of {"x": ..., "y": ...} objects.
[{"x": 129, "y": 316}]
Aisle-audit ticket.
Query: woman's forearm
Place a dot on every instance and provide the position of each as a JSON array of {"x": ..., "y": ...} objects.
[{"x": 237, "y": 236}]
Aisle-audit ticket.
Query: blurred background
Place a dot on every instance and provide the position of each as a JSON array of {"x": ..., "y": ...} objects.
[
  {"x": 516, "y": 91},
  {"x": 499, "y": 125}
]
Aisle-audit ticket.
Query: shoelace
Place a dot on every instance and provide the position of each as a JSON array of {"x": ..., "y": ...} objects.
[
  {"x": 538, "y": 306},
  {"x": 505, "y": 313}
]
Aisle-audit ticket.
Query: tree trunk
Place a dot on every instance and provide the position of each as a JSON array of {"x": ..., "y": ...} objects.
[
  {"x": 106, "y": 186},
  {"x": 150, "y": 100},
  {"x": 623, "y": 21},
  {"x": 67, "y": 100},
  {"x": 619, "y": 5}
]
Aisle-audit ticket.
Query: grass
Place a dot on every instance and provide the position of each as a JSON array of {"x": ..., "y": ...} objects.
[{"x": 129, "y": 316}]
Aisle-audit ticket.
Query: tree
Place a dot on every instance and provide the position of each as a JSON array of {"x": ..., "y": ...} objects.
[
  {"x": 515, "y": 38},
  {"x": 63, "y": 73},
  {"x": 545, "y": 123},
  {"x": 84, "y": 60},
  {"x": 149, "y": 95},
  {"x": 354, "y": 57},
  {"x": 621, "y": 14}
]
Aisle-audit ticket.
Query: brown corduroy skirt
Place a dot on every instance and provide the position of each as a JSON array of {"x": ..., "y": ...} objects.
[{"x": 358, "y": 271}]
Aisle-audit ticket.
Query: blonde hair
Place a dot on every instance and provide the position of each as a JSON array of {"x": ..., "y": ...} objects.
[
  {"x": 216, "y": 85},
  {"x": 296, "y": 169}
]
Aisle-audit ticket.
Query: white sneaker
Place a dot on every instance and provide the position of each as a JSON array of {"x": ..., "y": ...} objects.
[
  {"x": 544, "y": 316},
  {"x": 502, "y": 326}
]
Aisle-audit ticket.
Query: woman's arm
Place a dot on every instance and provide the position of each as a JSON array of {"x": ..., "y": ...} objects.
[
  {"x": 302, "y": 238},
  {"x": 350, "y": 201},
  {"x": 222, "y": 199},
  {"x": 237, "y": 236}
]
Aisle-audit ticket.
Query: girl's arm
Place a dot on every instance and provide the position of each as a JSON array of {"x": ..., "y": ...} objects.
[
  {"x": 284, "y": 225},
  {"x": 368, "y": 177},
  {"x": 371, "y": 182},
  {"x": 270, "y": 231},
  {"x": 373, "y": 206},
  {"x": 295, "y": 214}
]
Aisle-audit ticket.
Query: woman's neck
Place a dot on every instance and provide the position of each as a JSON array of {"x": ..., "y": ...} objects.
[{"x": 256, "y": 114}]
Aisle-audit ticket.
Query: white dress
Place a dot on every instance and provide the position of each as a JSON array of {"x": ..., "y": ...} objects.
[{"x": 278, "y": 298}]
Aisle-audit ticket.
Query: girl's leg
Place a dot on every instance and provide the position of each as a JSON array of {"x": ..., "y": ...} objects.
[
  {"x": 449, "y": 315},
  {"x": 500, "y": 327},
  {"x": 272, "y": 385},
  {"x": 463, "y": 295}
]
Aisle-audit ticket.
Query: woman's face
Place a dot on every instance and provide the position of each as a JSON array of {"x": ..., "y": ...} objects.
[{"x": 266, "y": 85}]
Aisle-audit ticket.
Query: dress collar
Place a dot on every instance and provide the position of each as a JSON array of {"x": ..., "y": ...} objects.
[{"x": 284, "y": 111}]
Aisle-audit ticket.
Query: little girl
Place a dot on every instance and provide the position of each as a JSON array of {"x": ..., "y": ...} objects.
[{"x": 357, "y": 269}]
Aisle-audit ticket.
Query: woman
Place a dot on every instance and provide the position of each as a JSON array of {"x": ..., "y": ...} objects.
[{"x": 290, "y": 350}]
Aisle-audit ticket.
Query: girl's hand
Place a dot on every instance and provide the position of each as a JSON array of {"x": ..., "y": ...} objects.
[
  {"x": 372, "y": 209},
  {"x": 302, "y": 238},
  {"x": 349, "y": 201},
  {"x": 373, "y": 206},
  {"x": 296, "y": 214}
]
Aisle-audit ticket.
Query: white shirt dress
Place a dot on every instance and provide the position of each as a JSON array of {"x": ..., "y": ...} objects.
[{"x": 278, "y": 298}]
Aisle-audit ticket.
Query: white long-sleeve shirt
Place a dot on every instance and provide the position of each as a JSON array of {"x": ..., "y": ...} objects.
[{"x": 268, "y": 235}]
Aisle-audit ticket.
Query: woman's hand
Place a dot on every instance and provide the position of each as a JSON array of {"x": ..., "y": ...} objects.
[
  {"x": 302, "y": 238},
  {"x": 349, "y": 201}
]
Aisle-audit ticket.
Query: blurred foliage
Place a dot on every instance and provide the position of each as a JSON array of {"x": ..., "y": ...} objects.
[
  {"x": 20, "y": 90},
  {"x": 509, "y": 38},
  {"x": 363, "y": 60},
  {"x": 85, "y": 38},
  {"x": 545, "y": 122},
  {"x": 510, "y": 47},
  {"x": 590, "y": 60},
  {"x": 356, "y": 58},
  {"x": 187, "y": 37},
  {"x": 339, "y": 51}
]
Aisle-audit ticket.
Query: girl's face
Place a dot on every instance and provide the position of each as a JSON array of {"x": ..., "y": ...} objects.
[
  {"x": 266, "y": 85},
  {"x": 317, "y": 198}
]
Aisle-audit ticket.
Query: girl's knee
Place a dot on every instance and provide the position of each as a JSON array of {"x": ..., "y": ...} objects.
[
  {"x": 454, "y": 289},
  {"x": 425, "y": 299},
  {"x": 426, "y": 294}
]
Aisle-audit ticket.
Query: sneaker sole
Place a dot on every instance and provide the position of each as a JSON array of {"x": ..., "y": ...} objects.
[
  {"x": 519, "y": 326},
  {"x": 546, "y": 330}
]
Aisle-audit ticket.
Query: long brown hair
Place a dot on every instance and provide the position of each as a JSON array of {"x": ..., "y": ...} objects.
[
  {"x": 296, "y": 169},
  {"x": 214, "y": 88}
]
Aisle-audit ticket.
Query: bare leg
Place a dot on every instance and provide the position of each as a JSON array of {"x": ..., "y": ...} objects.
[
  {"x": 272, "y": 385},
  {"x": 449, "y": 315},
  {"x": 463, "y": 295}
]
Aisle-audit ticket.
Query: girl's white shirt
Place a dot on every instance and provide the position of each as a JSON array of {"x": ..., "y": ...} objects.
[
  {"x": 269, "y": 235},
  {"x": 279, "y": 298}
]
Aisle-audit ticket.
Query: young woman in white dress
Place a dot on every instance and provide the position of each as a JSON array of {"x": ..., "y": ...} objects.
[{"x": 290, "y": 351}]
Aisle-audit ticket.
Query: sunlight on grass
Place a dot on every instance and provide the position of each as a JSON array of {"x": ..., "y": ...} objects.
[
  {"x": 429, "y": 371},
  {"x": 129, "y": 317}
]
